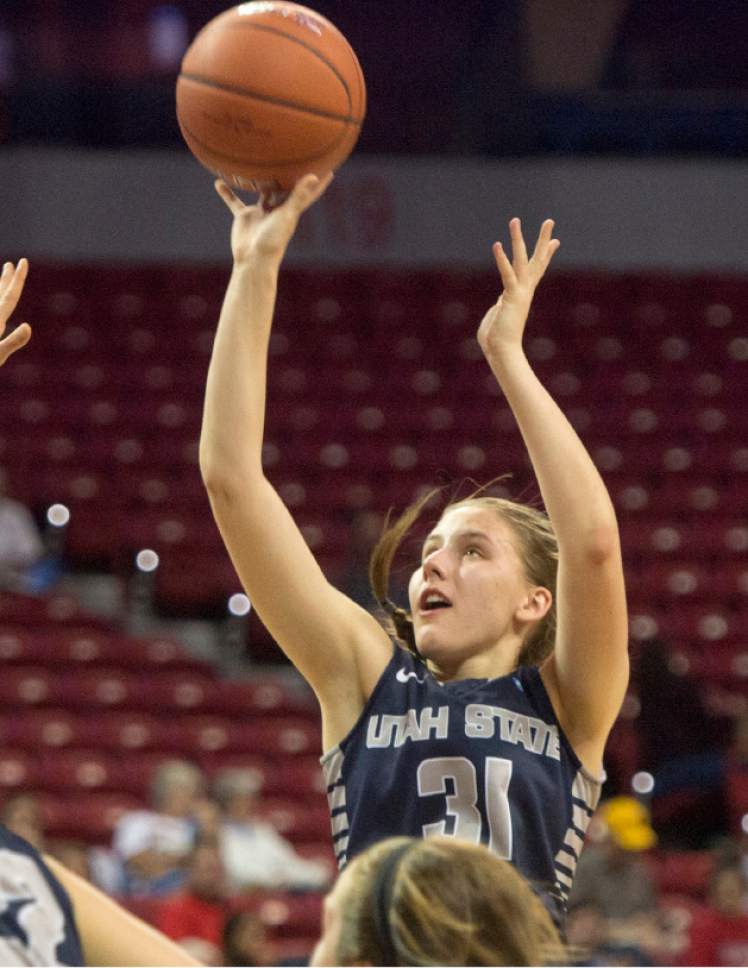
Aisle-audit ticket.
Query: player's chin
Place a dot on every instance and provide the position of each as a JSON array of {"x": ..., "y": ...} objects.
[{"x": 429, "y": 642}]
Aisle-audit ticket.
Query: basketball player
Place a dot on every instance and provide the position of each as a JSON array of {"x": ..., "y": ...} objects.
[
  {"x": 42, "y": 904},
  {"x": 488, "y": 718},
  {"x": 50, "y": 916},
  {"x": 434, "y": 902}
]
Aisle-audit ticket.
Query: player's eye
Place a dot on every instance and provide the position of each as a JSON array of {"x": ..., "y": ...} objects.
[{"x": 474, "y": 552}]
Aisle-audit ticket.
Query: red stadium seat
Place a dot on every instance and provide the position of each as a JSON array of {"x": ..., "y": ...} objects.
[
  {"x": 285, "y": 737},
  {"x": 298, "y": 777},
  {"x": 298, "y": 822},
  {"x": 268, "y": 697},
  {"x": 20, "y": 770},
  {"x": 183, "y": 692},
  {"x": 100, "y": 689},
  {"x": 76, "y": 771},
  {"x": 22, "y": 686},
  {"x": 52, "y": 611},
  {"x": 130, "y": 733},
  {"x": 90, "y": 818},
  {"x": 37, "y": 729}
]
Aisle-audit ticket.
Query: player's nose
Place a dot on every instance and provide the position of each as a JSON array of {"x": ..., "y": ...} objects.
[{"x": 435, "y": 564}]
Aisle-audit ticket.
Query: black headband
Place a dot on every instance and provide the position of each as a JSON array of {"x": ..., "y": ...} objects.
[{"x": 382, "y": 890}]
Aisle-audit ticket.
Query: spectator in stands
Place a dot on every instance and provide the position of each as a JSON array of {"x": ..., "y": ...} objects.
[
  {"x": 21, "y": 545},
  {"x": 439, "y": 901},
  {"x": 207, "y": 816},
  {"x": 719, "y": 934},
  {"x": 153, "y": 844},
  {"x": 254, "y": 853},
  {"x": 22, "y": 815},
  {"x": 611, "y": 871},
  {"x": 245, "y": 941},
  {"x": 734, "y": 762},
  {"x": 679, "y": 744},
  {"x": 591, "y": 943},
  {"x": 195, "y": 917}
]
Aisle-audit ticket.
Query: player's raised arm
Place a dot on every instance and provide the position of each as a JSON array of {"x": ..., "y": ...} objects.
[
  {"x": 338, "y": 647},
  {"x": 12, "y": 279},
  {"x": 587, "y": 673}
]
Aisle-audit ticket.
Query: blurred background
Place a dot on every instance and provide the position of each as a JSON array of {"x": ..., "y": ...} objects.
[{"x": 124, "y": 635}]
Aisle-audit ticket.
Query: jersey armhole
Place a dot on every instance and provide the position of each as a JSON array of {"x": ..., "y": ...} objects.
[
  {"x": 532, "y": 682},
  {"x": 397, "y": 652}
]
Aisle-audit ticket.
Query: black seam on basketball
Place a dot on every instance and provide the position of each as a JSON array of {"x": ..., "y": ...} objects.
[
  {"x": 247, "y": 25},
  {"x": 263, "y": 164},
  {"x": 280, "y": 102}
]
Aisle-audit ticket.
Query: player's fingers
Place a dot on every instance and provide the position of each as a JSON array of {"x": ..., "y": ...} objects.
[
  {"x": 234, "y": 204},
  {"x": 508, "y": 277},
  {"x": 5, "y": 277},
  {"x": 308, "y": 189},
  {"x": 519, "y": 252},
  {"x": 13, "y": 281},
  {"x": 544, "y": 237},
  {"x": 18, "y": 338},
  {"x": 553, "y": 246},
  {"x": 323, "y": 185}
]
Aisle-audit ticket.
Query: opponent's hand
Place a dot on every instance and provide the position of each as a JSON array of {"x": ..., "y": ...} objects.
[
  {"x": 11, "y": 287},
  {"x": 504, "y": 323},
  {"x": 259, "y": 232}
]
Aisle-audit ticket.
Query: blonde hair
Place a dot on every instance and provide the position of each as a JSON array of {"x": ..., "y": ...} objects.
[
  {"x": 450, "y": 903},
  {"x": 537, "y": 548}
]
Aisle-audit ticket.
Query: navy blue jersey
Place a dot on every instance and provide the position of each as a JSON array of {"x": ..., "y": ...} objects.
[
  {"x": 484, "y": 760},
  {"x": 37, "y": 926}
]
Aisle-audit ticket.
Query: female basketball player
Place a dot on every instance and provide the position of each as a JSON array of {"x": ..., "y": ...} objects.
[
  {"x": 434, "y": 902},
  {"x": 492, "y": 727}
]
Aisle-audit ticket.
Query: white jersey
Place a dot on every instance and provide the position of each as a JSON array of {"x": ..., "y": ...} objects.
[{"x": 37, "y": 926}]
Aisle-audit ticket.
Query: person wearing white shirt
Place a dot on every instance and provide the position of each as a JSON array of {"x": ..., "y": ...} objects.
[
  {"x": 153, "y": 844},
  {"x": 254, "y": 854}
]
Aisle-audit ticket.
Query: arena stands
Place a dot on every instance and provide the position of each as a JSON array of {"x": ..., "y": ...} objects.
[{"x": 377, "y": 389}]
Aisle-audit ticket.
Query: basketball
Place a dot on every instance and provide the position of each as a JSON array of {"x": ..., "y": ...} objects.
[{"x": 268, "y": 92}]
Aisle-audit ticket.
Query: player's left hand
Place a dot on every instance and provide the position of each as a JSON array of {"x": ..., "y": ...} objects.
[
  {"x": 504, "y": 323},
  {"x": 11, "y": 287}
]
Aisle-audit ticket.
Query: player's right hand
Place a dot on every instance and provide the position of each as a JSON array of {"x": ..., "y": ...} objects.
[
  {"x": 259, "y": 233},
  {"x": 11, "y": 287}
]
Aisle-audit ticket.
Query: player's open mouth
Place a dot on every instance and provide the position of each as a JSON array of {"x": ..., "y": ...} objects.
[{"x": 432, "y": 601}]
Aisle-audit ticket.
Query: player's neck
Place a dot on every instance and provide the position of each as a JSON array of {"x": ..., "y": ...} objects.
[{"x": 499, "y": 661}]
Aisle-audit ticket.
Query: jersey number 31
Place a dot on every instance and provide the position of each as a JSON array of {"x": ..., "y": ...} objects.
[{"x": 462, "y": 801}]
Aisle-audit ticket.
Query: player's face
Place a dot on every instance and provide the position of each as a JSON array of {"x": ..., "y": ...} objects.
[
  {"x": 326, "y": 950},
  {"x": 465, "y": 596}
]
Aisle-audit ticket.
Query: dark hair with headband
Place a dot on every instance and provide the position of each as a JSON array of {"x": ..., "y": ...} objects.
[{"x": 442, "y": 902}]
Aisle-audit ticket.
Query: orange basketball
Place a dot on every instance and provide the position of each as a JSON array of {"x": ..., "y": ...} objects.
[{"x": 269, "y": 91}]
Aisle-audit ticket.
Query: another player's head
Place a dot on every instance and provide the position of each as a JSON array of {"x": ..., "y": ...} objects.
[
  {"x": 494, "y": 563},
  {"x": 433, "y": 902}
]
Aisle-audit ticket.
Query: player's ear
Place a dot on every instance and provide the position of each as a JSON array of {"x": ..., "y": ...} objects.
[{"x": 535, "y": 605}]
